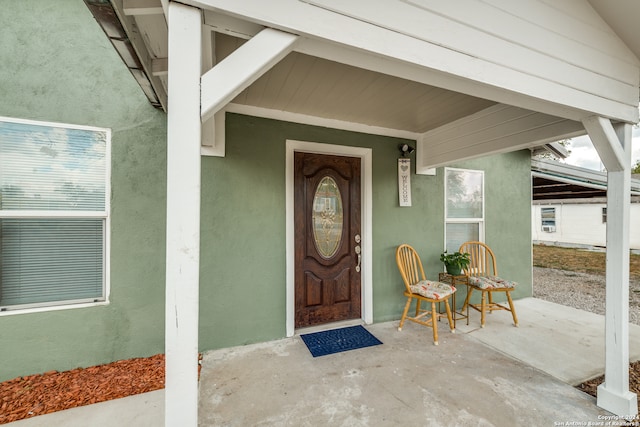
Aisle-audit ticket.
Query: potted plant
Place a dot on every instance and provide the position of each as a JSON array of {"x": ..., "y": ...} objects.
[{"x": 455, "y": 262}]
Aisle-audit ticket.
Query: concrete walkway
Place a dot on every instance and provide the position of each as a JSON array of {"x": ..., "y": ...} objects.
[{"x": 496, "y": 376}]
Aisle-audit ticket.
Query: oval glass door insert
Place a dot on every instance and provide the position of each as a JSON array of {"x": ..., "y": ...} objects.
[{"x": 327, "y": 217}]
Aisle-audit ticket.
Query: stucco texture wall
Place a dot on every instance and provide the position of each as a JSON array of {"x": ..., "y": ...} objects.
[
  {"x": 243, "y": 283},
  {"x": 69, "y": 73},
  {"x": 66, "y": 71}
]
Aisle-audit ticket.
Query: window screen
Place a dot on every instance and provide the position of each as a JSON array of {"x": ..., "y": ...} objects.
[{"x": 53, "y": 213}]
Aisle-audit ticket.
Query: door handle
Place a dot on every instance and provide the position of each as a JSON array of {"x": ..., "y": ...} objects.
[{"x": 358, "y": 251}]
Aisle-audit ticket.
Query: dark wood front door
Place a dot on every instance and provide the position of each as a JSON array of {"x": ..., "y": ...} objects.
[{"x": 327, "y": 238}]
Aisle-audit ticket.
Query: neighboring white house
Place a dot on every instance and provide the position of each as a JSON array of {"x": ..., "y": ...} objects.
[{"x": 569, "y": 206}]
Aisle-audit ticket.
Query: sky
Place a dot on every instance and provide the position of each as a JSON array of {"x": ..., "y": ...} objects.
[{"x": 584, "y": 155}]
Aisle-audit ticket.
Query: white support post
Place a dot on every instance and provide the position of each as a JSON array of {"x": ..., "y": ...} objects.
[
  {"x": 614, "y": 147},
  {"x": 183, "y": 216}
]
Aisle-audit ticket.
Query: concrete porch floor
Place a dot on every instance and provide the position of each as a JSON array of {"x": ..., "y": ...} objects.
[{"x": 496, "y": 376}]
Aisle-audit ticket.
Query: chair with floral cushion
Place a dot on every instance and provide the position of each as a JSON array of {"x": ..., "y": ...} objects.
[
  {"x": 483, "y": 276},
  {"x": 420, "y": 289}
]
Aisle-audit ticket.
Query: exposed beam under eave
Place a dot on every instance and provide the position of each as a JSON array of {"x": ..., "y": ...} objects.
[
  {"x": 498, "y": 129},
  {"x": 119, "y": 29},
  {"x": 160, "y": 66},
  {"x": 142, "y": 7}
]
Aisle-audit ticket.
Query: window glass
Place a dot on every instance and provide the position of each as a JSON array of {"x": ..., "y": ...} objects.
[
  {"x": 53, "y": 213},
  {"x": 458, "y": 233},
  {"x": 464, "y": 207},
  {"x": 327, "y": 217},
  {"x": 464, "y": 193},
  {"x": 51, "y": 168},
  {"x": 548, "y": 216}
]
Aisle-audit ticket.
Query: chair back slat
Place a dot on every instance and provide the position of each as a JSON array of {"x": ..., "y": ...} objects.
[
  {"x": 483, "y": 261},
  {"x": 409, "y": 265}
]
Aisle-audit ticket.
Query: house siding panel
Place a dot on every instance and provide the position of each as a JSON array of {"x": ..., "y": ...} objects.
[{"x": 581, "y": 224}]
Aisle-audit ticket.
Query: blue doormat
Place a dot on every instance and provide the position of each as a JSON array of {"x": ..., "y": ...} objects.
[{"x": 337, "y": 340}]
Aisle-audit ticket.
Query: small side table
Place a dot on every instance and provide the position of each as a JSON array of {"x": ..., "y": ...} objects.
[{"x": 454, "y": 281}]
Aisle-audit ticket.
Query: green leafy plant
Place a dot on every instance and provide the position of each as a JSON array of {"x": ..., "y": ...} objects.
[{"x": 455, "y": 262}]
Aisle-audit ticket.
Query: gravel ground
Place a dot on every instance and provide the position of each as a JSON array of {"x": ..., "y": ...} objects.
[{"x": 580, "y": 290}]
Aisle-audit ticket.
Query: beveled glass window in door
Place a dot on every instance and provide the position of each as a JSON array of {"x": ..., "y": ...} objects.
[{"x": 327, "y": 217}]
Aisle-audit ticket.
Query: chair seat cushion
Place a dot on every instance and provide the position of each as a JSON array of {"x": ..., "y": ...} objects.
[
  {"x": 491, "y": 282},
  {"x": 433, "y": 290}
]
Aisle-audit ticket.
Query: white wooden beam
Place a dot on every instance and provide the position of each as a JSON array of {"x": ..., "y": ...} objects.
[
  {"x": 142, "y": 7},
  {"x": 213, "y": 134},
  {"x": 229, "y": 25},
  {"x": 606, "y": 143},
  {"x": 244, "y": 66},
  {"x": 497, "y": 129},
  {"x": 614, "y": 394},
  {"x": 183, "y": 216}
]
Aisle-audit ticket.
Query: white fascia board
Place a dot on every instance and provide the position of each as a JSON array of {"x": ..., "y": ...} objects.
[
  {"x": 418, "y": 60},
  {"x": 497, "y": 129},
  {"x": 606, "y": 142},
  {"x": 244, "y": 66},
  {"x": 574, "y": 172}
]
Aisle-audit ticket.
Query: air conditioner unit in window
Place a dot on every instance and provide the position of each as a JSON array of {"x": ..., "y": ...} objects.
[{"x": 549, "y": 228}]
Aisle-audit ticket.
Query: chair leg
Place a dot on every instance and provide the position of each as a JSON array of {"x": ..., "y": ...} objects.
[
  {"x": 434, "y": 322},
  {"x": 490, "y": 301},
  {"x": 418, "y": 302},
  {"x": 404, "y": 313},
  {"x": 513, "y": 309},
  {"x": 466, "y": 300},
  {"x": 483, "y": 308},
  {"x": 451, "y": 324}
]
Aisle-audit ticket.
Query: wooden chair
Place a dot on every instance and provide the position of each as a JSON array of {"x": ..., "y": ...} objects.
[
  {"x": 420, "y": 289},
  {"x": 482, "y": 274}
]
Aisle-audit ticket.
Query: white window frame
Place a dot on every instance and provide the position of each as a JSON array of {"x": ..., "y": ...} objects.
[
  {"x": 480, "y": 221},
  {"x": 105, "y": 215}
]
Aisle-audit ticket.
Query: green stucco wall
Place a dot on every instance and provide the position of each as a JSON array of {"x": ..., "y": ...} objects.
[
  {"x": 57, "y": 65},
  {"x": 243, "y": 283},
  {"x": 68, "y": 72}
]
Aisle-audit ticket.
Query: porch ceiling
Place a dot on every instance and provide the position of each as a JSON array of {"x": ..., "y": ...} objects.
[
  {"x": 318, "y": 87},
  {"x": 300, "y": 83}
]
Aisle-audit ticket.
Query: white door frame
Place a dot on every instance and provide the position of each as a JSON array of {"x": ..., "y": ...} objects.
[{"x": 365, "y": 154}]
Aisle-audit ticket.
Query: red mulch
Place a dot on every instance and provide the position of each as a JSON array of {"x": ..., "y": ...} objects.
[
  {"x": 53, "y": 391},
  {"x": 591, "y": 386}
]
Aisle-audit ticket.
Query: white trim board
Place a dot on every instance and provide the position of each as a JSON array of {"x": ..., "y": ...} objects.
[
  {"x": 304, "y": 119},
  {"x": 366, "y": 155},
  {"x": 217, "y": 148}
]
